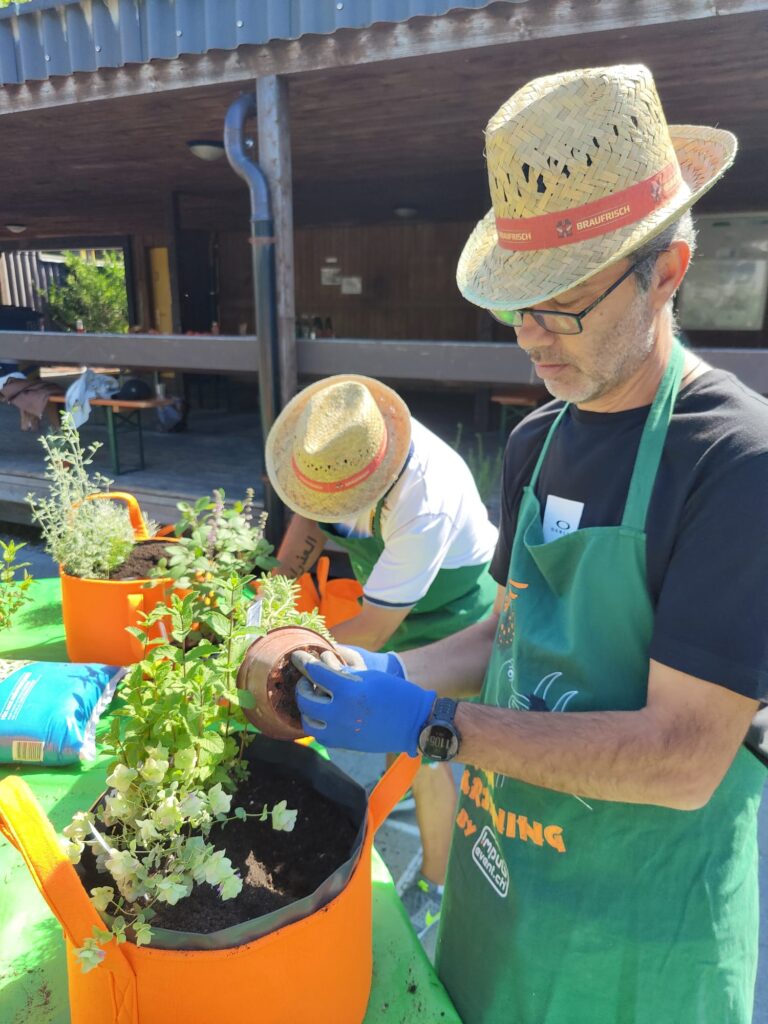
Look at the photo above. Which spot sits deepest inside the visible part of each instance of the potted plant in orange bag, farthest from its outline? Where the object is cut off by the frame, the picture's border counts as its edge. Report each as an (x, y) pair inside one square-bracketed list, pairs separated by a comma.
[(104, 549), (218, 858)]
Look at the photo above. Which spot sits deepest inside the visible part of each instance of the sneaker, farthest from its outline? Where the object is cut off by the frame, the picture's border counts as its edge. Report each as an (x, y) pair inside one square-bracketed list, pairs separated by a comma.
[(422, 901)]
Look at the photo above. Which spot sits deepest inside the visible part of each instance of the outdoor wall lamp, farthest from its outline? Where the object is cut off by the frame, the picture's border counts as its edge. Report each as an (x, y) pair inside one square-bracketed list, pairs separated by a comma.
[(206, 149)]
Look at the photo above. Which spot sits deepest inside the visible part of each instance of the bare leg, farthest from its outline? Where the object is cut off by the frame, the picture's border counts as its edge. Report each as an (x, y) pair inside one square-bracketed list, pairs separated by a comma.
[(434, 792)]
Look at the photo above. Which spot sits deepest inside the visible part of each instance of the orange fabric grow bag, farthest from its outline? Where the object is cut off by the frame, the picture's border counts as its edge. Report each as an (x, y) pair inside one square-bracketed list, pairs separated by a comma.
[(328, 954), (337, 600), (96, 613)]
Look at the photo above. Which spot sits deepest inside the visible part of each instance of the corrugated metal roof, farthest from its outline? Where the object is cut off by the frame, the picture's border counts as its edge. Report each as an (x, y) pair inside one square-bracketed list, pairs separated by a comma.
[(46, 38)]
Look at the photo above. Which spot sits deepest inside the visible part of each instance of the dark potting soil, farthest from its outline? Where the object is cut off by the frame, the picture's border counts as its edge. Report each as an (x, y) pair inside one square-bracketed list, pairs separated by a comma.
[(281, 686), (277, 868), (144, 557)]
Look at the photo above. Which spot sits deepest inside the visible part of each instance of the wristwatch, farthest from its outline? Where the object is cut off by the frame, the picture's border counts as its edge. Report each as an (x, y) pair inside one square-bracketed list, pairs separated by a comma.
[(439, 739)]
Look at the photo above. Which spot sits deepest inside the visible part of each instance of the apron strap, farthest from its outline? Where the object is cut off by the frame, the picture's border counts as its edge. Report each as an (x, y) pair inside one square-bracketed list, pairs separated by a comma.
[(376, 518), (548, 440), (652, 442)]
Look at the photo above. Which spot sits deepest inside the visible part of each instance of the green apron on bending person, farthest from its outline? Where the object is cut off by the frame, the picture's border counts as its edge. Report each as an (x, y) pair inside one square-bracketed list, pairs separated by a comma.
[(456, 599), (588, 911)]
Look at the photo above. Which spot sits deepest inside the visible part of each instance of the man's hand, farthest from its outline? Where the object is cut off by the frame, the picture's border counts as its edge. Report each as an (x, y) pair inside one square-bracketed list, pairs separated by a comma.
[(365, 710), (376, 661)]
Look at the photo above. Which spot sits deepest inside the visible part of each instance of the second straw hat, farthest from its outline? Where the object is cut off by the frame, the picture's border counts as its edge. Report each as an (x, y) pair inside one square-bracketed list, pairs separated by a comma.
[(583, 169), (338, 446)]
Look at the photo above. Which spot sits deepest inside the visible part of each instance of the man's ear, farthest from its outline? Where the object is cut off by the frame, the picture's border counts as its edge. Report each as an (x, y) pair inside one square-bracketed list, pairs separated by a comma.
[(668, 273)]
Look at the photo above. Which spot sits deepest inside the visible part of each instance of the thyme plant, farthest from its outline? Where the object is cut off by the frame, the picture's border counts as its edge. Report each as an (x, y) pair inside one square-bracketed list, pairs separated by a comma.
[(177, 743), (87, 538)]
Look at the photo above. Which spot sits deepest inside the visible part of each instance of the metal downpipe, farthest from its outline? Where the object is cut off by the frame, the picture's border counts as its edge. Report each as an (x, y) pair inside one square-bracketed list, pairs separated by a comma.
[(263, 261)]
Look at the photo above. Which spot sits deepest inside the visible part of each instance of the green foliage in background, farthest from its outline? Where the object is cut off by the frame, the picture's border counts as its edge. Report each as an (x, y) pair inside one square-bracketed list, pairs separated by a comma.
[(485, 466), (93, 292)]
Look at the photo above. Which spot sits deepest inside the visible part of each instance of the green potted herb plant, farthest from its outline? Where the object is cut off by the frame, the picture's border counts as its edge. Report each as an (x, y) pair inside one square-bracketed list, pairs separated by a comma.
[(104, 548)]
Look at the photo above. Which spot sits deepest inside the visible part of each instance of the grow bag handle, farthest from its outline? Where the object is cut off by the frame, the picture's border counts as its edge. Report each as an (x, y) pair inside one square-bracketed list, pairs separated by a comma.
[(391, 787), (322, 571), (140, 531), (26, 827)]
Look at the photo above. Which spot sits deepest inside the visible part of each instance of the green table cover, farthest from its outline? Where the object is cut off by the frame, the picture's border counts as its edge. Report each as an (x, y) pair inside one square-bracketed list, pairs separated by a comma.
[(33, 977)]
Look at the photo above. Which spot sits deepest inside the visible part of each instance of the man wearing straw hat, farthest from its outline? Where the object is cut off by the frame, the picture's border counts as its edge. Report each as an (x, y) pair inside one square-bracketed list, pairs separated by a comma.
[(348, 459), (604, 861)]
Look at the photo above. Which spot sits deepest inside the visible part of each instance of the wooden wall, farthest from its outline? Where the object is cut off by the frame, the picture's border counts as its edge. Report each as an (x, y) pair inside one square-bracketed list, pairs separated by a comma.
[(235, 282), (408, 276), (409, 291)]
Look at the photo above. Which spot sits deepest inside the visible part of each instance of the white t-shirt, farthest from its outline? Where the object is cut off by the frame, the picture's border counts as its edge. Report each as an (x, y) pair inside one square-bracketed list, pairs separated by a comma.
[(432, 519)]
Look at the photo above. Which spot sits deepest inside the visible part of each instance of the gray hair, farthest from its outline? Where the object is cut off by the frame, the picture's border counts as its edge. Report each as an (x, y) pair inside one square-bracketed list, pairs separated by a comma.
[(681, 230)]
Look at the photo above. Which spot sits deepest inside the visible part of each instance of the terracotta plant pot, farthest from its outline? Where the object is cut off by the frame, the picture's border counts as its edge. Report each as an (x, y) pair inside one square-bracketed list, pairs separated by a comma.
[(314, 970), (96, 613), (267, 672)]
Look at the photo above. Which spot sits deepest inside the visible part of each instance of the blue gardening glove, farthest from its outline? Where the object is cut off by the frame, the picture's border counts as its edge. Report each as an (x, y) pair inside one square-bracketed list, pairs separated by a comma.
[(379, 661), (365, 710)]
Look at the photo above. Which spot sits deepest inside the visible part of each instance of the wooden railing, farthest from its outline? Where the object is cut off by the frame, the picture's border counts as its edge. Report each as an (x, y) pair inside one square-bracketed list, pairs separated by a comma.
[(428, 362)]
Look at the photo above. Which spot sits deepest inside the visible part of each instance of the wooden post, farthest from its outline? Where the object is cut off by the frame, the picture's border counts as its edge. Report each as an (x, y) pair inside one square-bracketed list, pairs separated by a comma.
[(275, 160)]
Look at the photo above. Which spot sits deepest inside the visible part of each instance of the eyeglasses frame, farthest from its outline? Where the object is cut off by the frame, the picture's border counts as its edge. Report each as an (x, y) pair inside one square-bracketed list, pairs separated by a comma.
[(577, 317)]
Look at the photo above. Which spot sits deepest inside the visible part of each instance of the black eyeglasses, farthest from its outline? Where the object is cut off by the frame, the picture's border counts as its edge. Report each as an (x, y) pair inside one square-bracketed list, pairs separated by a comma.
[(550, 319)]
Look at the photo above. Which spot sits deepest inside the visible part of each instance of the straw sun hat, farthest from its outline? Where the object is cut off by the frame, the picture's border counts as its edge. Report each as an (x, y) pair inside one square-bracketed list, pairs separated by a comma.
[(338, 446), (583, 169)]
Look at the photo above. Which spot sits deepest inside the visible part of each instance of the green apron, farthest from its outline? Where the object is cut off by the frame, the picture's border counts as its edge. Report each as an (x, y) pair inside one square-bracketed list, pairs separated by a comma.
[(559, 910), (456, 599)]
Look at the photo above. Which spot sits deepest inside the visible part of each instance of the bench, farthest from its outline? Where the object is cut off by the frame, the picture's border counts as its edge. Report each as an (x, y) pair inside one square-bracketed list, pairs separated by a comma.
[(123, 416), (520, 400)]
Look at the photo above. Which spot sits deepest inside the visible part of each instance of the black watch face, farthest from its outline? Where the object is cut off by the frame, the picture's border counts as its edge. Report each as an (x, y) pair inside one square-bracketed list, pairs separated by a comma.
[(439, 742)]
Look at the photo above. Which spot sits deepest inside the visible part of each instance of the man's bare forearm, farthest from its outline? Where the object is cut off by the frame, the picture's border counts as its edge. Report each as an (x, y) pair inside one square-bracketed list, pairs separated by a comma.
[(608, 755), (673, 752), (372, 628), (300, 548), (455, 666)]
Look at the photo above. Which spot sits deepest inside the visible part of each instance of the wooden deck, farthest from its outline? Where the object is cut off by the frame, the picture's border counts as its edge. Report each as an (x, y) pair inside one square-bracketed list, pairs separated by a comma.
[(217, 450)]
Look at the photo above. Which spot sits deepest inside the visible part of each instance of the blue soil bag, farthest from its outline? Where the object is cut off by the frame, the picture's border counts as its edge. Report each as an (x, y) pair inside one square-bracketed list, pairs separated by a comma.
[(49, 710)]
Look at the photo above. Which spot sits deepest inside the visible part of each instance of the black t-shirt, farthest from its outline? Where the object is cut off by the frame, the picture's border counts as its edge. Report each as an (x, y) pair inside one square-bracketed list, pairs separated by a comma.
[(707, 526)]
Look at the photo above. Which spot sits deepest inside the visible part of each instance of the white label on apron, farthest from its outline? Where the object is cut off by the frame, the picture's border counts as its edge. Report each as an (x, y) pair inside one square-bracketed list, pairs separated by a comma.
[(488, 857), (561, 516)]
